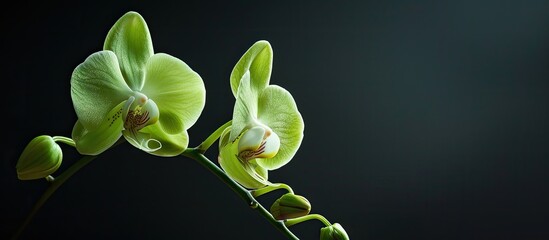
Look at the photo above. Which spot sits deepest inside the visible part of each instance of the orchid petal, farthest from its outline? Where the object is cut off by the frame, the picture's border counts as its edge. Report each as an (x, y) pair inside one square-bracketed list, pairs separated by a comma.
[(97, 86), (245, 108), (130, 40), (101, 138), (278, 110), (258, 61), (178, 91)]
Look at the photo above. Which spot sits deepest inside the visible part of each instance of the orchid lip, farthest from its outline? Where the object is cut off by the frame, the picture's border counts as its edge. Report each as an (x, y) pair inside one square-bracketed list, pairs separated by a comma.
[(139, 112), (258, 142)]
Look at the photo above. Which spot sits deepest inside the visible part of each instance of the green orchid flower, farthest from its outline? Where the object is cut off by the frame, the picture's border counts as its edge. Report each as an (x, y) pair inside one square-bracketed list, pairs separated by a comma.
[(267, 128), (151, 99)]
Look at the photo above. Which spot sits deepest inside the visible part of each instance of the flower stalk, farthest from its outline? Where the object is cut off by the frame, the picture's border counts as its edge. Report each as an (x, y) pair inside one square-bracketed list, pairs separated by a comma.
[(54, 185), (294, 221), (206, 144), (194, 153), (269, 188)]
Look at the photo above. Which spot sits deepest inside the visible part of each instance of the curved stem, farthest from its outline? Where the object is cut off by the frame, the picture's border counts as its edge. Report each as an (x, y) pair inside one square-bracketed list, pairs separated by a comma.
[(55, 184), (293, 221), (64, 140), (50, 178), (212, 138), (197, 155), (270, 188)]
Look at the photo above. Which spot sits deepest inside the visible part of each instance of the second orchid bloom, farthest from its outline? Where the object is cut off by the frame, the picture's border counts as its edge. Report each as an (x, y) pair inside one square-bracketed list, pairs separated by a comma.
[(267, 128)]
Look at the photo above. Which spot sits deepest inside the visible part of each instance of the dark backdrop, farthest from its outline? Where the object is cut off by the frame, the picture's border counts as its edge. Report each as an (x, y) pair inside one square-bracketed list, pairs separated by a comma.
[(424, 120)]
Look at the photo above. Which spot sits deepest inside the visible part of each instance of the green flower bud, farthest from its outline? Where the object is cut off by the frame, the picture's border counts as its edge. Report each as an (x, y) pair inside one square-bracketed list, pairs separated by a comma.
[(290, 206), (334, 232), (40, 158)]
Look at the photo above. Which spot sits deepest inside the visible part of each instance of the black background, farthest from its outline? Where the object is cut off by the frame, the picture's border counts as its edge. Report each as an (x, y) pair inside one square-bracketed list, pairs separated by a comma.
[(423, 119)]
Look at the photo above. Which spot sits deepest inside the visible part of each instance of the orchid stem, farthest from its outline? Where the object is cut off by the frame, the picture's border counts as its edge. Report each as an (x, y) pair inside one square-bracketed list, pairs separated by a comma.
[(55, 184), (196, 154), (270, 188), (212, 138), (293, 221), (64, 140)]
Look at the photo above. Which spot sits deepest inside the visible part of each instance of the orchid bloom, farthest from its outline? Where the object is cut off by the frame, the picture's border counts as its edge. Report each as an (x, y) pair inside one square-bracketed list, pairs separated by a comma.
[(267, 128), (128, 90)]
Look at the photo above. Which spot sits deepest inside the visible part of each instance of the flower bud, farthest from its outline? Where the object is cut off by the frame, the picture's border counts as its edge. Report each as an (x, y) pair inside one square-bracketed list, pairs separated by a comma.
[(334, 232), (40, 158), (290, 206)]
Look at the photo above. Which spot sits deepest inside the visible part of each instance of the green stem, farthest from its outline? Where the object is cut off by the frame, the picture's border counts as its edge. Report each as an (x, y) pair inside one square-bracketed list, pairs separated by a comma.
[(293, 221), (64, 140), (196, 154), (49, 178), (55, 184), (270, 188), (212, 138)]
